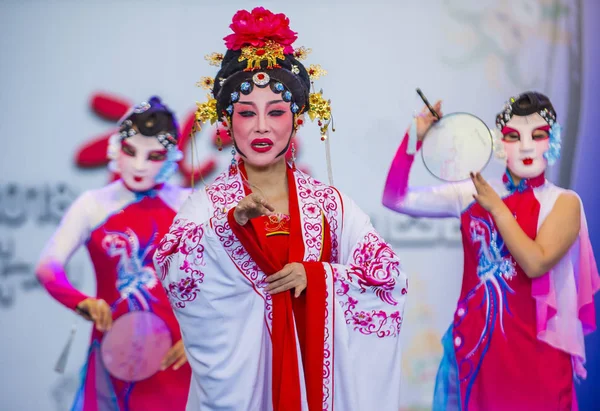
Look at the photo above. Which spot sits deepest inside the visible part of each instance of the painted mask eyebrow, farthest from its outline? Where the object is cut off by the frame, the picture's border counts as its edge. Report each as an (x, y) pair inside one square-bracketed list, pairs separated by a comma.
[(508, 130), (543, 128)]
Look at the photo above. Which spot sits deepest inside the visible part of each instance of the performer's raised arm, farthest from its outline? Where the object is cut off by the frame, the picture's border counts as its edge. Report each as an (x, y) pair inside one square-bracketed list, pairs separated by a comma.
[(445, 200)]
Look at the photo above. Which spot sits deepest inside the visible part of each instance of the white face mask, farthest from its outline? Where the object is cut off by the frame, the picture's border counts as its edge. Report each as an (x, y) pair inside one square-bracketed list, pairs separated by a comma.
[(525, 140), (140, 160)]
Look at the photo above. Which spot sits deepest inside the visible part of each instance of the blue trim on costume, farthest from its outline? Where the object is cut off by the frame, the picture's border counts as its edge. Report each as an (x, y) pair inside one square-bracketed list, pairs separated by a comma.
[(446, 395), (472, 378), (79, 401), (128, 391), (80, 395)]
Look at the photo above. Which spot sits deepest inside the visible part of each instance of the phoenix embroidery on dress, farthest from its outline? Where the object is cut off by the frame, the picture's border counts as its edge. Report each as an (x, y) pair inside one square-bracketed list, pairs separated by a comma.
[(133, 277), (495, 267)]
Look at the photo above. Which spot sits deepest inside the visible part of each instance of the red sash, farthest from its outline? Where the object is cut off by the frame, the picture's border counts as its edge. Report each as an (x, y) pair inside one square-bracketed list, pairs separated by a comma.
[(308, 310)]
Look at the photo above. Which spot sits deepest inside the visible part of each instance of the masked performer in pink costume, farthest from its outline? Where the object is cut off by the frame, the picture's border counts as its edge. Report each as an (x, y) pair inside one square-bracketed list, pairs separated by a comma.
[(517, 339), (121, 225), (287, 298)]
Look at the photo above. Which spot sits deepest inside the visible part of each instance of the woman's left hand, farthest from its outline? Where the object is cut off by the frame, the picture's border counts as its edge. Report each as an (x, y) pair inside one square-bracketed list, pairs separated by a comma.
[(486, 196), (293, 275), (175, 356)]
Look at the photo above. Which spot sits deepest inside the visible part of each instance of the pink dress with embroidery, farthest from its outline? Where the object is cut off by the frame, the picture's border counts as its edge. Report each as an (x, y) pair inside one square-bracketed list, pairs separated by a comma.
[(121, 230), (515, 343), (500, 361)]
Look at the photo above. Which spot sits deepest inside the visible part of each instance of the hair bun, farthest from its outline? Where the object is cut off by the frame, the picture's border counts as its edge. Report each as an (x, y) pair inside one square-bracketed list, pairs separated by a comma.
[(155, 100), (152, 118)]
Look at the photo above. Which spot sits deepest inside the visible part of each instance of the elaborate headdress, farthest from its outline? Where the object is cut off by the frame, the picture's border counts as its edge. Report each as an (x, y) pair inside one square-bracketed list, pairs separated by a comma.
[(260, 54), (530, 103), (151, 119)]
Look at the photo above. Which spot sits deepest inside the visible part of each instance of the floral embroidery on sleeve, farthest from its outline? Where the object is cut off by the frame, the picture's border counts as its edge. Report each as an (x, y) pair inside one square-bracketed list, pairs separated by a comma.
[(185, 239), (374, 268)]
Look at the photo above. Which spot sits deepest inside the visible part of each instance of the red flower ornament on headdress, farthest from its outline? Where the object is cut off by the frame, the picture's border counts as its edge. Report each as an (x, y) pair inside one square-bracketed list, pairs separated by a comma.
[(258, 27)]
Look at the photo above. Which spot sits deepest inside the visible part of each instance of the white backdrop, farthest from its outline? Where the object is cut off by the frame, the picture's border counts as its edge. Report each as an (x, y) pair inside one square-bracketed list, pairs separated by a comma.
[(54, 55)]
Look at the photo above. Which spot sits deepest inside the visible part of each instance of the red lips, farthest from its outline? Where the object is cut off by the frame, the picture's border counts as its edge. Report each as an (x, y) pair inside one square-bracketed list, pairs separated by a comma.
[(137, 179), (528, 161), (261, 145)]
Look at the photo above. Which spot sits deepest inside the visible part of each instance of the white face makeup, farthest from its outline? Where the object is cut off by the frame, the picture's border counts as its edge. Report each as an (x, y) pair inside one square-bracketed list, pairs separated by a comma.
[(140, 160), (525, 140)]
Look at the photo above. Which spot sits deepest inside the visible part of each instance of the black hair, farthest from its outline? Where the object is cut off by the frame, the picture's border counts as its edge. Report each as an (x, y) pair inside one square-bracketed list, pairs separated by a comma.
[(526, 104), (152, 118), (291, 74)]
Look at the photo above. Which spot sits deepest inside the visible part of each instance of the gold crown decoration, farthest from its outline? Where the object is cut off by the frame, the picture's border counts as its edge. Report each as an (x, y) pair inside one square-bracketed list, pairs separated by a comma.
[(205, 112), (270, 52), (315, 72), (207, 83), (214, 59), (320, 110), (301, 53)]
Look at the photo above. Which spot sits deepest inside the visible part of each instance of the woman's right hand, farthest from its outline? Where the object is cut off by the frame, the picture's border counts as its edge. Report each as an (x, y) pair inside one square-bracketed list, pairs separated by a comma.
[(98, 311), (251, 206), (425, 119)]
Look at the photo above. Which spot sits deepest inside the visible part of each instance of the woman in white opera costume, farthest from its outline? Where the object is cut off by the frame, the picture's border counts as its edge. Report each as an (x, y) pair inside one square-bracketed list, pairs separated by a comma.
[(286, 296)]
